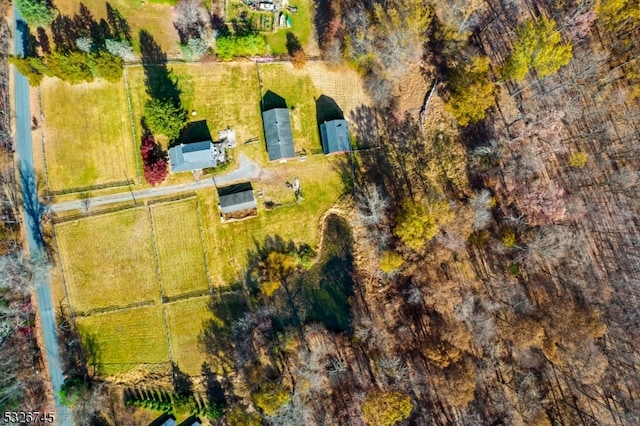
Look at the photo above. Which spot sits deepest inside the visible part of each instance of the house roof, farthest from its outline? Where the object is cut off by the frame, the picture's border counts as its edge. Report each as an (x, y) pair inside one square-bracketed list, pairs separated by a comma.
[(192, 156), (164, 420), (236, 197), (335, 136), (277, 131)]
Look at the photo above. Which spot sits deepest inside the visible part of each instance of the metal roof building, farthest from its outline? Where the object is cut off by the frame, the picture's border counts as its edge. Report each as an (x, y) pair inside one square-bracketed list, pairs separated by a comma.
[(192, 156), (277, 132), (335, 136), (236, 198)]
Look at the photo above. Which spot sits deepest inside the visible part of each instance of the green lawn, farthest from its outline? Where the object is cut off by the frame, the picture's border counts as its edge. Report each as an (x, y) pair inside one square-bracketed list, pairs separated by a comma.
[(108, 260), (127, 339), (88, 135), (299, 92), (222, 94), (185, 320), (301, 26), (182, 260)]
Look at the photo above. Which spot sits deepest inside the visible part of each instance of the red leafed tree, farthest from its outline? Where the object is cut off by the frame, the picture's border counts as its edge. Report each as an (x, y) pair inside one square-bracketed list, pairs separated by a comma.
[(154, 161)]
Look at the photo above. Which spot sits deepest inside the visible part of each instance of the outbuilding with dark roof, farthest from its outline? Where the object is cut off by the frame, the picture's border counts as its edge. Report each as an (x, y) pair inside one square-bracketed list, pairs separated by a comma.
[(335, 136), (237, 201), (277, 132)]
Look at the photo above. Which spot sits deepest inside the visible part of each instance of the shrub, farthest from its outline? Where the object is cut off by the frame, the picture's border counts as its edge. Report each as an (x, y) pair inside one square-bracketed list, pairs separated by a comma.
[(271, 397), (107, 65), (386, 408), (299, 59), (539, 47), (390, 262), (165, 118), (228, 47), (36, 12), (419, 222), (154, 161), (471, 91), (509, 238), (194, 49), (578, 159)]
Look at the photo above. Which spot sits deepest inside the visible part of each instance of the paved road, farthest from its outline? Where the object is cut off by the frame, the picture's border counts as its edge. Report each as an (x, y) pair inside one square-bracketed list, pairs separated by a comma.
[(32, 211), (246, 170)]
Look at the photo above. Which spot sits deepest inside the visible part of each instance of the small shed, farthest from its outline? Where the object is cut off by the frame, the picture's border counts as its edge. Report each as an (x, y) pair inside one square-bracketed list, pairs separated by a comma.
[(335, 136), (193, 156), (237, 201), (277, 132)]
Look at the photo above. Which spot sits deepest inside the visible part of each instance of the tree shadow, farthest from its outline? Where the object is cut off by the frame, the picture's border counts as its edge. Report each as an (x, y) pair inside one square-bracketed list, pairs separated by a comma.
[(182, 383), (323, 14), (292, 43), (216, 336), (43, 41), (158, 78), (67, 29), (364, 125), (213, 388), (119, 26), (29, 42), (329, 283), (327, 110), (271, 100), (196, 131), (34, 209)]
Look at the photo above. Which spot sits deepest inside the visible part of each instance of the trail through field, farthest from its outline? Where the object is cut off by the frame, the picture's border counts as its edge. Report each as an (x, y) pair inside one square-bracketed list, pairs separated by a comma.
[(247, 169)]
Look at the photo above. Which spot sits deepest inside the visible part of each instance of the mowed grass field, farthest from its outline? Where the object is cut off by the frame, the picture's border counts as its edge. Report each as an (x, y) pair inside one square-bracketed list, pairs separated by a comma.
[(222, 94), (185, 320), (88, 134), (180, 249), (129, 338), (108, 260)]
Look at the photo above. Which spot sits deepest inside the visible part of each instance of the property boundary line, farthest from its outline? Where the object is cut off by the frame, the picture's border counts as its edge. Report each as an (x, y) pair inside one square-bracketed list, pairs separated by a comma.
[(78, 216), (78, 189), (44, 154), (131, 122), (111, 309), (177, 197), (204, 247), (157, 257)]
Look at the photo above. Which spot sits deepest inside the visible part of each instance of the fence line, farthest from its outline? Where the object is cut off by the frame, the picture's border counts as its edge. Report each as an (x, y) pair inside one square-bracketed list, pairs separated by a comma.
[(157, 257), (185, 296), (178, 197), (204, 247), (78, 216), (131, 122), (117, 308), (89, 188)]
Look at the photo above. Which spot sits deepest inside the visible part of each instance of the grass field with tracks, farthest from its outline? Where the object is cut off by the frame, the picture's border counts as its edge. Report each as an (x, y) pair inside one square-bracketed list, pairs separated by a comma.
[(108, 260), (180, 250), (88, 135), (128, 338)]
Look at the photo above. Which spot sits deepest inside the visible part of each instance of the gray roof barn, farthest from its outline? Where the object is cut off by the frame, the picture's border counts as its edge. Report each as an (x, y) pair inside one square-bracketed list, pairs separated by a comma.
[(193, 156), (235, 198), (277, 131), (335, 136)]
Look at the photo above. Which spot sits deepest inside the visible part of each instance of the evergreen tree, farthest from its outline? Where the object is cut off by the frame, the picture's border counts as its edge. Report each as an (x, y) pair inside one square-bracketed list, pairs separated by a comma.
[(36, 12), (165, 118), (106, 65)]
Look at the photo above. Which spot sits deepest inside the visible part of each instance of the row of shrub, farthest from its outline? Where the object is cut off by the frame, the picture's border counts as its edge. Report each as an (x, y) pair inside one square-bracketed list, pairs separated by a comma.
[(160, 400)]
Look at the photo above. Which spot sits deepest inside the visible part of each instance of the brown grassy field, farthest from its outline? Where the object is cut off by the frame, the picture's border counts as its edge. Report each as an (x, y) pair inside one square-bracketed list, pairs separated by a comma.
[(108, 260), (155, 17), (180, 251), (88, 135), (129, 338), (185, 320)]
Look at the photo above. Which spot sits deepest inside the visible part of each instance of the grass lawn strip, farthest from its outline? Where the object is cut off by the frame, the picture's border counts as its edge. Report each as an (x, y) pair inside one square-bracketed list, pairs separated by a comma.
[(108, 260), (180, 251), (88, 138), (185, 320), (129, 338)]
